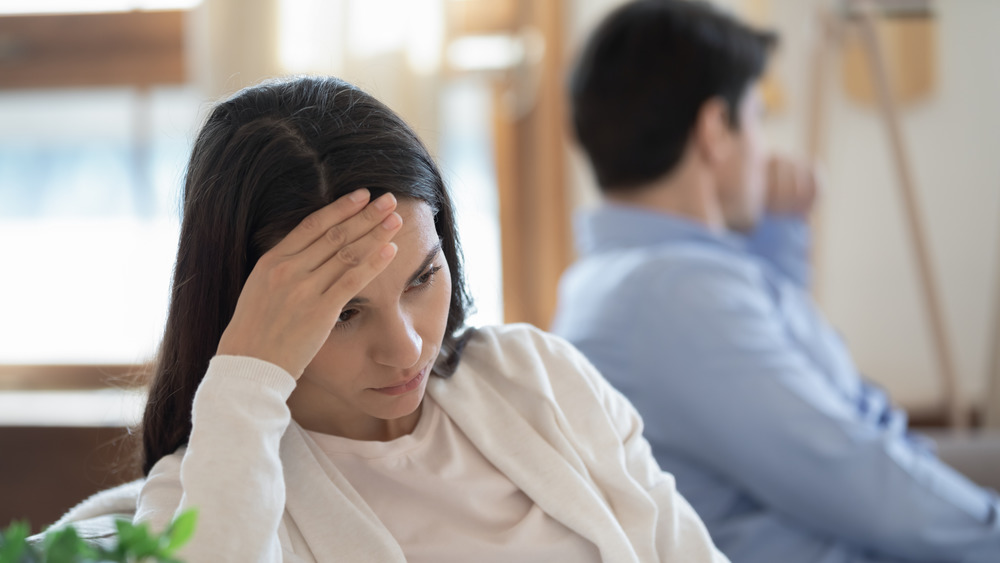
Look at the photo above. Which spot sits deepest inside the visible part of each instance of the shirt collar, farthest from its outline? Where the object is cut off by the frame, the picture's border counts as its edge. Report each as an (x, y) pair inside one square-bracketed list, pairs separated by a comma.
[(614, 226)]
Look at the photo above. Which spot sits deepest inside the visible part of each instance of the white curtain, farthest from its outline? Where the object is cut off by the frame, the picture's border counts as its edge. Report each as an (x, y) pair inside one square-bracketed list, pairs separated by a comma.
[(391, 48)]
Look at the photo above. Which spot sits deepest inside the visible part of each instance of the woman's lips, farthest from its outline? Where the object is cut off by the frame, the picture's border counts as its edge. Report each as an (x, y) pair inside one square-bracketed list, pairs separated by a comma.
[(404, 387)]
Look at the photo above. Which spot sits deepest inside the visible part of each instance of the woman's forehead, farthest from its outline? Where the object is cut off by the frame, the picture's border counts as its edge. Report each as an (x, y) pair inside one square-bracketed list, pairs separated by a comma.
[(418, 225), (417, 241)]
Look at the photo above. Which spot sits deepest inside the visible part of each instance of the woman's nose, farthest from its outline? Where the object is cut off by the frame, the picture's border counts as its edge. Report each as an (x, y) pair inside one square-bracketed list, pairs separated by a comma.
[(399, 344)]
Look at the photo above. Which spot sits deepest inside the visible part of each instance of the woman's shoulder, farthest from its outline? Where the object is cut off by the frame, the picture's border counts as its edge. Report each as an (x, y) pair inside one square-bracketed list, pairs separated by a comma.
[(524, 353), (517, 339), (525, 364), (161, 491), (166, 471)]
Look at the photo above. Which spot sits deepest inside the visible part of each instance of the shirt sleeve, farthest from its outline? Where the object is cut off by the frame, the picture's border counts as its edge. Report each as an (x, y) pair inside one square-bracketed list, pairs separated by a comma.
[(680, 533), (759, 411), (783, 241), (231, 470)]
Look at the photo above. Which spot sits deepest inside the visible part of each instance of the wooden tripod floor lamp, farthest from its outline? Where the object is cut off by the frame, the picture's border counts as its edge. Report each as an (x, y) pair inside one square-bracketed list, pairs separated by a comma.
[(858, 18)]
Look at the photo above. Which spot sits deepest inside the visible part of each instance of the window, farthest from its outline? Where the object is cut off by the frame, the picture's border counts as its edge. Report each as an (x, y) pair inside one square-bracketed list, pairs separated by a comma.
[(89, 184)]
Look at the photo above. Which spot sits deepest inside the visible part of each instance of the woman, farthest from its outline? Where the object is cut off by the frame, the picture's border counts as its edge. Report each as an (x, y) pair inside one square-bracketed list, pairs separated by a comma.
[(315, 397)]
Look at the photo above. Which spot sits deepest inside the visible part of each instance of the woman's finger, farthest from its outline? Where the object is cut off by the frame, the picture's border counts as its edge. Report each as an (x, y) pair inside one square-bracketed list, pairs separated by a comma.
[(356, 255), (350, 282), (347, 232), (317, 223)]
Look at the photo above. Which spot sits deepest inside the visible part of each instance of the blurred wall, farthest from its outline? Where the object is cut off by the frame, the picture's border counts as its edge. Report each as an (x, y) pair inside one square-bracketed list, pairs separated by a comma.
[(46, 470), (865, 272)]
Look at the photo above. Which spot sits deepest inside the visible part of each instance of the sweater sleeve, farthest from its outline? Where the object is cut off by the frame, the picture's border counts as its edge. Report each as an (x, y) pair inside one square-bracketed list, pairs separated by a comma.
[(231, 470), (680, 533)]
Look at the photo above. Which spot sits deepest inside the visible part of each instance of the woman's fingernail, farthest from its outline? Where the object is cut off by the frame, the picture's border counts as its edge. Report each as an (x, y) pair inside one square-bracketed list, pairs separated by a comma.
[(357, 196), (388, 250), (392, 221), (385, 202)]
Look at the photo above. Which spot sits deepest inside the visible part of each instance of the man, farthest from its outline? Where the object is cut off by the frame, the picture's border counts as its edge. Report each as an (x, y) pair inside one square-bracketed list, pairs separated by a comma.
[(690, 296)]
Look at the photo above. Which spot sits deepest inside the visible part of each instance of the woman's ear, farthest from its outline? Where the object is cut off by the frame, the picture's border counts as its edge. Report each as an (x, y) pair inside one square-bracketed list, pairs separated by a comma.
[(713, 132)]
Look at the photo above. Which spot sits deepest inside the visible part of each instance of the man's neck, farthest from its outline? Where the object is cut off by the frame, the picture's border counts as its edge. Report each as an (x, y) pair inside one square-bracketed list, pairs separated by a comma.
[(688, 191)]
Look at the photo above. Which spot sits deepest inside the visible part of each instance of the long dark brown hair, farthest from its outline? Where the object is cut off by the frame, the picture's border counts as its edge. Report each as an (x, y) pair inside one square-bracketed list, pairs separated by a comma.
[(264, 160)]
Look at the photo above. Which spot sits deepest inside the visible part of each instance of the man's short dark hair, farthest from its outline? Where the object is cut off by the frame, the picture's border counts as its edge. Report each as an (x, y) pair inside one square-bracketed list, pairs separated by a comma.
[(643, 76)]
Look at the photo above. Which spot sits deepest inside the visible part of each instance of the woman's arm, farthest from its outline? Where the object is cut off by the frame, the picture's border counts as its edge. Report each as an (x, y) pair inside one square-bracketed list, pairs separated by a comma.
[(231, 470)]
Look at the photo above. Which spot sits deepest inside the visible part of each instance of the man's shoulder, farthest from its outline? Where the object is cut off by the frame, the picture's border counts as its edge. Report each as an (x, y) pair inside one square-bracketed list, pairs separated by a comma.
[(668, 265), (607, 296)]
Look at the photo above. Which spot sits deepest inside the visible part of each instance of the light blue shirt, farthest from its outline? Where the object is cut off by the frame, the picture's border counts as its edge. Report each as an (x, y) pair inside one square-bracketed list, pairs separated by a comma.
[(752, 401)]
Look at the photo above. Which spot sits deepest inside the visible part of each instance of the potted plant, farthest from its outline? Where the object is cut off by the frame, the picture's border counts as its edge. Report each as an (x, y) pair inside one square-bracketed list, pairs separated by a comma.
[(134, 544)]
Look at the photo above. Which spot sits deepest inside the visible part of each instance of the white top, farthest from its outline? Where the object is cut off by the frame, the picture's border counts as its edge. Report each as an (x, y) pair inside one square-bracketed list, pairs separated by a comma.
[(528, 401), (444, 502)]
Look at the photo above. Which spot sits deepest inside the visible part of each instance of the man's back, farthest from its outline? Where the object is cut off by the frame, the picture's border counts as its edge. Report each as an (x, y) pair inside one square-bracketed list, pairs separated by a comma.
[(753, 403)]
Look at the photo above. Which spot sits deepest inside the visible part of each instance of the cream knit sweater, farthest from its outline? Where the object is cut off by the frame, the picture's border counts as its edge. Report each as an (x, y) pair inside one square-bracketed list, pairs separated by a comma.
[(529, 402)]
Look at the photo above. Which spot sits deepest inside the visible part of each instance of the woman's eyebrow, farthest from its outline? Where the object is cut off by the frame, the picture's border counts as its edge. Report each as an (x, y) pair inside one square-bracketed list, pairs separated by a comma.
[(356, 301), (427, 261)]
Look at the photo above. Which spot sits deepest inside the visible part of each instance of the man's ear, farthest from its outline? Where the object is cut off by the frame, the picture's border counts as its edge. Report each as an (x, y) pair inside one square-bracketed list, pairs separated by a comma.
[(713, 132)]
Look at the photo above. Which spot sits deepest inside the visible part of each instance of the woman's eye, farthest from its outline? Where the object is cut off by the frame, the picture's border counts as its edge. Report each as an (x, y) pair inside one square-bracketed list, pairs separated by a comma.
[(425, 278), (346, 315)]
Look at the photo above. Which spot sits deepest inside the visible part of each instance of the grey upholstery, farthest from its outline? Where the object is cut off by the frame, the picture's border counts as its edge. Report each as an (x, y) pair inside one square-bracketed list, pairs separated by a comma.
[(94, 518), (97, 531)]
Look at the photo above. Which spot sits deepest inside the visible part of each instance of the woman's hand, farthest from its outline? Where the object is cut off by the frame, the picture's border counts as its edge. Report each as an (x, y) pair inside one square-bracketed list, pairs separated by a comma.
[(296, 291)]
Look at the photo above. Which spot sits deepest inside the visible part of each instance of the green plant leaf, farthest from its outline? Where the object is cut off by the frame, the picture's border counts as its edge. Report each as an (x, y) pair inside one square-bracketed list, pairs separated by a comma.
[(126, 531), (179, 531), (65, 546), (135, 541), (116, 555), (12, 542)]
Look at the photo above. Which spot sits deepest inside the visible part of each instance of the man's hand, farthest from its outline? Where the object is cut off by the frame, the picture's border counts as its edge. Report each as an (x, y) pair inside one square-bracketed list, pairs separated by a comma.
[(792, 186)]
